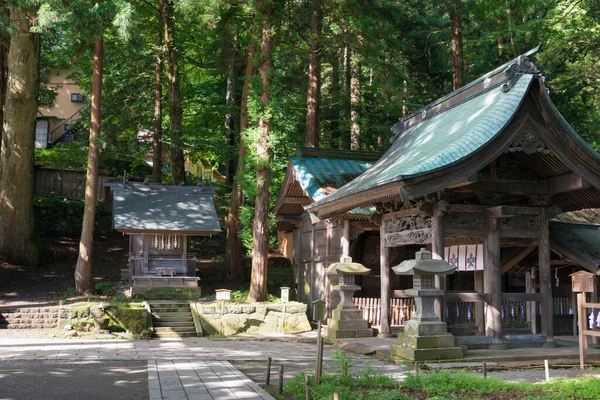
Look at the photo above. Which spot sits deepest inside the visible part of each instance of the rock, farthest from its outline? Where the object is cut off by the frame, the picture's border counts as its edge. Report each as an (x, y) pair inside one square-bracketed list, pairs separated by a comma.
[(68, 327), (70, 334)]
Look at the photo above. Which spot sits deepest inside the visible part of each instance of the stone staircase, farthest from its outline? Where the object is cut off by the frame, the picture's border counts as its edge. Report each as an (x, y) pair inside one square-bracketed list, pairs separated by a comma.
[(29, 318), (172, 319)]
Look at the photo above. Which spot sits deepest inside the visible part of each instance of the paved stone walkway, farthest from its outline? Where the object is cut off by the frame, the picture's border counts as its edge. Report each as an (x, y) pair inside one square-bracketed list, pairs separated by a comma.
[(188, 368)]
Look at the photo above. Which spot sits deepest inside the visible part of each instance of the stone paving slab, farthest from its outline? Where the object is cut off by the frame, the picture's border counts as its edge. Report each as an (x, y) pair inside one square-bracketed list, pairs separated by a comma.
[(201, 380)]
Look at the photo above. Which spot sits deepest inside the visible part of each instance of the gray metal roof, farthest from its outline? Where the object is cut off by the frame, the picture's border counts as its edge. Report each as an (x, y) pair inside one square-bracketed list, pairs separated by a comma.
[(153, 208)]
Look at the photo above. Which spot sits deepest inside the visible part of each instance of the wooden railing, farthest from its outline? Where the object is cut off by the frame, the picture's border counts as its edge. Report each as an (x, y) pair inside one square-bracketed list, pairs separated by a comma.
[(400, 309)]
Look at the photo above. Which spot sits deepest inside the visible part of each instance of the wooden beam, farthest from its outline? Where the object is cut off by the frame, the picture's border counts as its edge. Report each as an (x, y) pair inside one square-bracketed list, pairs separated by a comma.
[(471, 179), (303, 201), (510, 264), (522, 296), (511, 211), (465, 297), (560, 262), (401, 214), (576, 259), (563, 183), (397, 239), (294, 219)]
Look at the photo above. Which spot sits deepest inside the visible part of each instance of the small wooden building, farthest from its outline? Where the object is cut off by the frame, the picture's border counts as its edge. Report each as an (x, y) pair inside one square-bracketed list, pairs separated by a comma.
[(312, 174), (159, 221), (487, 166)]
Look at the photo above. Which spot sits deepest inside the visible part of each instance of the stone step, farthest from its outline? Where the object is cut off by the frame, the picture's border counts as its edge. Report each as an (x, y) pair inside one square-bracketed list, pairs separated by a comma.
[(163, 315), (166, 329), (160, 310), (176, 335), (27, 326), (177, 324), (30, 320)]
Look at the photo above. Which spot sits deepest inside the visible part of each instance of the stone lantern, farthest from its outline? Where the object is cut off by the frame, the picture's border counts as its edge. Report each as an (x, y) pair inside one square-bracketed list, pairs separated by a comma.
[(346, 320), (425, 336)]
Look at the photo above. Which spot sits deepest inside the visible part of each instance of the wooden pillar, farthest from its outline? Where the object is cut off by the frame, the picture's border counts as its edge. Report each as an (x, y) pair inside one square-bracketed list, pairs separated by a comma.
[(492, 282), (437, 253), (530, 310), (546, 278), (346, 239), (384, 328), (479, 309)]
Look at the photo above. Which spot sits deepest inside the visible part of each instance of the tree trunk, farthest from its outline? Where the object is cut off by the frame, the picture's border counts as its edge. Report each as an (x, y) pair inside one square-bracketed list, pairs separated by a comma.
[(335, 101), (18, 242), (234, 251), (501, 41), (230, 102), (354, 104), (3, 80), (457, 45), (175, 110), (83, 270), (157, 119), (347, 89), (260, 234), (313, 106)]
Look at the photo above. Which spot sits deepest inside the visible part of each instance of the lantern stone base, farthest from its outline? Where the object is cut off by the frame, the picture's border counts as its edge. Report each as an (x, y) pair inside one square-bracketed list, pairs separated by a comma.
[(346, 320), (425, 340)]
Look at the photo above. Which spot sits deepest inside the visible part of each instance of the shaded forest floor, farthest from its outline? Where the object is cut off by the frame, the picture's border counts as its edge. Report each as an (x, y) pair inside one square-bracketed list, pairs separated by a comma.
[(53, 280)]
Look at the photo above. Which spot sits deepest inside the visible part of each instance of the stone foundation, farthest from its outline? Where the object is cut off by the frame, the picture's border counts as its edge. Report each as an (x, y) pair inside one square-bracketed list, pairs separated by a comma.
[(258, 318)]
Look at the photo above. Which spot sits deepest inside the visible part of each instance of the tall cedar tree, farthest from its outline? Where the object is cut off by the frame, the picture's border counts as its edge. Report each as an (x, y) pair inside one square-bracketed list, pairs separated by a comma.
[(313, 106), (3, 80), (175, 110), (260, 231), (234, 257), (17, 233), (157, 118), (83, 269), (457, 45)]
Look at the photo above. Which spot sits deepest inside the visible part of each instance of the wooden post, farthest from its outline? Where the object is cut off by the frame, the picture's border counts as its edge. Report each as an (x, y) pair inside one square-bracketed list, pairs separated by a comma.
[(336, 396), (529, 311), (346, 239), (479, 309), (594, 299), (547, 369), (319, 364), (268, 376), (484, 367), (307, 386), (492, 282), (545, 278), (384, 326), (437, 253), (280, 388), (581, 321), (575, 308)]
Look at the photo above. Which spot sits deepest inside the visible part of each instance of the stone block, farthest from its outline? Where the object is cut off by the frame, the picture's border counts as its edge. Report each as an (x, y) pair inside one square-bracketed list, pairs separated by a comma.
[(425, 342), (401, 353), (416, 328), (347, 324), (234, 309), (248, 309), (347, 333), (346, 314)]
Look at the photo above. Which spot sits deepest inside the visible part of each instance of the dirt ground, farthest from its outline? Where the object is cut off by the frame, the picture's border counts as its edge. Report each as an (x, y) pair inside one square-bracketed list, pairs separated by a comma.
[(53, 279)]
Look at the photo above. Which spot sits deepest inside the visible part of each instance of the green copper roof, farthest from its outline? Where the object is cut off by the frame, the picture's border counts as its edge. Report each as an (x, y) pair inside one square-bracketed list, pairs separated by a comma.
[(138, 208), (580, 239), (443, 139), (322, 175)]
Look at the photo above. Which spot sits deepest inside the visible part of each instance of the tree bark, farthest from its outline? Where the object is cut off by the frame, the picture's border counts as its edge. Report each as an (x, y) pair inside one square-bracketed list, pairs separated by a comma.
[(175, 110), (18, 242), (313, 106), (347, 89), (157, 119), (3, 80), (83, 270), (354, 104), (260, 234), (234, 251), (335, 101), (230, 96), (457, 45)]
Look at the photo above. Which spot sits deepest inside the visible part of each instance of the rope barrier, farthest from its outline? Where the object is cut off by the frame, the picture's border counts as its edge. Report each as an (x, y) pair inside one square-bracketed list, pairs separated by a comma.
[(312, 390)]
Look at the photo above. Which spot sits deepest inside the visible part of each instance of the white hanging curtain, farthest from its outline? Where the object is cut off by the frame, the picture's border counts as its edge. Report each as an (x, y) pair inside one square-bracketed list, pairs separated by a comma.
[(467, 257)]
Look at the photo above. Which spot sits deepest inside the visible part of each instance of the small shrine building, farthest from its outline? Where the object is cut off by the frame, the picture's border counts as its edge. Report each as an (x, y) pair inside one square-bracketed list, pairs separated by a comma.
[(159, 221)]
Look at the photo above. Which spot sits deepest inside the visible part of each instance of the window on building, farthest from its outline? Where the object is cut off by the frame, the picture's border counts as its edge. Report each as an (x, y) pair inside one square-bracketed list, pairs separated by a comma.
[(77, 97), (41, 134)]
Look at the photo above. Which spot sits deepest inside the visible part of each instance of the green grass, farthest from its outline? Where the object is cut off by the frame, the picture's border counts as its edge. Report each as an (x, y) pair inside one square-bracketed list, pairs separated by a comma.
[(441, 385)]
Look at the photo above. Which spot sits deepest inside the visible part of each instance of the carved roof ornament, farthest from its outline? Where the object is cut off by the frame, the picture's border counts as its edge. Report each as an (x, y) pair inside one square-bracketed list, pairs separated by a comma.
[(529, 143), (513, 72)]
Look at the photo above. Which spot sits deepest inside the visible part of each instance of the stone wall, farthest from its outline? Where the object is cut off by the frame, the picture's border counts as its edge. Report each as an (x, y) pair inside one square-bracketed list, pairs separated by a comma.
[(259, 318), (132, 318)]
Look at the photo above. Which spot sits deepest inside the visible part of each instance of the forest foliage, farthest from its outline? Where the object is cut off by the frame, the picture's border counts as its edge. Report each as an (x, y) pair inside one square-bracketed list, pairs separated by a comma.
[(379, 60)]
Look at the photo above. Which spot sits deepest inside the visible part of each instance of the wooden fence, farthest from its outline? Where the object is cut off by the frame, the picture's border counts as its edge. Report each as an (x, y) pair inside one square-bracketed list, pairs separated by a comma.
[(66, 183), (401, 309)]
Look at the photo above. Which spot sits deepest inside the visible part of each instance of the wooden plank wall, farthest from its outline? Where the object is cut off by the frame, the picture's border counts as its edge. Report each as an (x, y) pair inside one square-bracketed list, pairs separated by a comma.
[(66, 183)]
